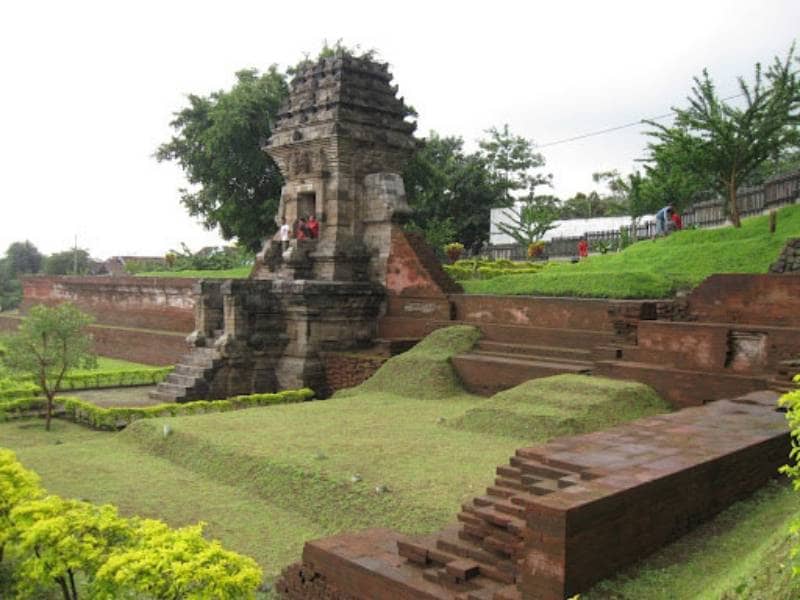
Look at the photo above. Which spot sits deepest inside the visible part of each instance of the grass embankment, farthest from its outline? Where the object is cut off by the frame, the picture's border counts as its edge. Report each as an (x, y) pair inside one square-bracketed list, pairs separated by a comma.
[(266, 480), (657, 269), (742, 554), (237, 273)]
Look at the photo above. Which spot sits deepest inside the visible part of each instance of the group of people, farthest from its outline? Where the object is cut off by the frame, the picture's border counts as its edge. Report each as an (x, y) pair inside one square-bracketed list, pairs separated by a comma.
[(304, 228), (668, 220)]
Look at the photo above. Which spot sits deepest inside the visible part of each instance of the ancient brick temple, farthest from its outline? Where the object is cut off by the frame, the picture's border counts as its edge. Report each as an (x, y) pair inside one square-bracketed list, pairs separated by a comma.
[(340, 141)]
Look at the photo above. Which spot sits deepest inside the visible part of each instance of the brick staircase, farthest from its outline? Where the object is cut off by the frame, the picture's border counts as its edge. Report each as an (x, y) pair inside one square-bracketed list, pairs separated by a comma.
[(189, 379), (499, 361)]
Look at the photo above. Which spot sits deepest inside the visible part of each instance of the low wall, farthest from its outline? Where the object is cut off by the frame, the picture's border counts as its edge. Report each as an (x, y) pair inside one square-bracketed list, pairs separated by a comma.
[(142, 319), (158, 303), (345, 369), (147, 346), (752, 299)]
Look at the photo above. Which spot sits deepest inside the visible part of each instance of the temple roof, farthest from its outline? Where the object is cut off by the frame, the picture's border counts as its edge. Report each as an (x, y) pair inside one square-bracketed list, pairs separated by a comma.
[(343, 95)]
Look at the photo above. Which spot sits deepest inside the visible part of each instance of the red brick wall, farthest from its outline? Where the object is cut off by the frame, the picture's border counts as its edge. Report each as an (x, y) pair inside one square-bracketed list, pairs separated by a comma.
[(344, 370), (139, 345), (165, 304), (413, 269), (753, 299)]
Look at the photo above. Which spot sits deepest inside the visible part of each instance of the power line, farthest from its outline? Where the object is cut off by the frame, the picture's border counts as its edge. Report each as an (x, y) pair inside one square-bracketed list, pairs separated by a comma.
[(616, 128)]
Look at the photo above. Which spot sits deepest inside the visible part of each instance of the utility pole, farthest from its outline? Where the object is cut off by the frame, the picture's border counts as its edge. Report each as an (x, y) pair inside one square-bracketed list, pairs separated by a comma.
[(75, 256)]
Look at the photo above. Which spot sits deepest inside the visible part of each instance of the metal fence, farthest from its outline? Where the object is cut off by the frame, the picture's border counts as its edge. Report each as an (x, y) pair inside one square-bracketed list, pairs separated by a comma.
[(778, 191)]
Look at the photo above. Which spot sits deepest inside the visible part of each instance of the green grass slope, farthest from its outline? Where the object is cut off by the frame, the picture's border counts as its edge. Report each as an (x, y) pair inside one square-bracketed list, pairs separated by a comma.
[(424, 371), (267, 479), (561, 405), (742, 554), (657, 269)]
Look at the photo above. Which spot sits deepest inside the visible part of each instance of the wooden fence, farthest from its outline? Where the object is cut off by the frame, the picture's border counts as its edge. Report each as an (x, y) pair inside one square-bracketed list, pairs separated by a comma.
[(778, 191)]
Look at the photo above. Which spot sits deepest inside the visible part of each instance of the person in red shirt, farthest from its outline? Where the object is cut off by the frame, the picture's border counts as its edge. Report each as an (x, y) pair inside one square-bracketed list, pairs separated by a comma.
[(301, 230), (677, 222), (313, 226), (583, 248)]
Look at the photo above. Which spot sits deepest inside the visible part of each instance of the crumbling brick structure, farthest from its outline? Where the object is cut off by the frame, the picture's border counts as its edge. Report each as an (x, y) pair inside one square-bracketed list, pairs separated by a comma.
[(340, 141), (563, 515)]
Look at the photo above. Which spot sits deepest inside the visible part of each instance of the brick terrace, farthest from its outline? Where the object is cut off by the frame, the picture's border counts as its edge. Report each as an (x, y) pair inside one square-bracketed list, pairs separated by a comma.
[(563, 515)]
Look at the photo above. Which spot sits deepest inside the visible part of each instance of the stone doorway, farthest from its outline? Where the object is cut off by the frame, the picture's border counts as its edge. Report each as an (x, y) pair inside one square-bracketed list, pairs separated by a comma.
[(306, 204)]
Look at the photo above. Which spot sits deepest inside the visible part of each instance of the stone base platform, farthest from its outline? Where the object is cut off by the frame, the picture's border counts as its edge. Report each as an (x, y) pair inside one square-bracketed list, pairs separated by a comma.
[(563, 515)]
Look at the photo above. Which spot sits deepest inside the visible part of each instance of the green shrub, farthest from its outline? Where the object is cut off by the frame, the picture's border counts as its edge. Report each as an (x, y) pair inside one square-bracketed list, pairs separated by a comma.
[(98, 417), (79, 546), (791, 401)]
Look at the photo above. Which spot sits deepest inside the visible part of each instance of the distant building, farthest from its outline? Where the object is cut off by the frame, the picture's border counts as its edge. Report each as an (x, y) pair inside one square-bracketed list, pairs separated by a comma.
[(568, 228)]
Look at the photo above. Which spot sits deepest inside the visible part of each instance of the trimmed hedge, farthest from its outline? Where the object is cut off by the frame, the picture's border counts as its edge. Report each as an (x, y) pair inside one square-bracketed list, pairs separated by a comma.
[(24, 387), (114, 418), (466, 270)]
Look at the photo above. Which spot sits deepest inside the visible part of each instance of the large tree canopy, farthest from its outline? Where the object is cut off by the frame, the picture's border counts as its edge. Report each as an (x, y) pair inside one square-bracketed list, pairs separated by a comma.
[(451, 192), (218, 140), (727, 143)]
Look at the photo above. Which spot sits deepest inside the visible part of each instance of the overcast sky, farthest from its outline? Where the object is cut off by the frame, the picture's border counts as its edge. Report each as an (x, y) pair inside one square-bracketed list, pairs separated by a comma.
[(89, 88)]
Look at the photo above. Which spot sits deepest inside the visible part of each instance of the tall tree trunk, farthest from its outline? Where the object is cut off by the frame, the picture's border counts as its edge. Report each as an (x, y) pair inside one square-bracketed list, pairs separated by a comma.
[(48, 411), (72, 585), (64, 589), (734, 208)]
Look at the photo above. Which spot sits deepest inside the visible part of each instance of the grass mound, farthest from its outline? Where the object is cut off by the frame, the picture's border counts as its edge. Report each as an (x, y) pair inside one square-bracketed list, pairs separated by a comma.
[(560, 405), (424, 371), (656, 269)]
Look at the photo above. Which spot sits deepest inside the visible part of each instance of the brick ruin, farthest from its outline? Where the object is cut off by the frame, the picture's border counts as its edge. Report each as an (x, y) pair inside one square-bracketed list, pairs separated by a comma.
[(563, 515), (326, 313), (340, 141)]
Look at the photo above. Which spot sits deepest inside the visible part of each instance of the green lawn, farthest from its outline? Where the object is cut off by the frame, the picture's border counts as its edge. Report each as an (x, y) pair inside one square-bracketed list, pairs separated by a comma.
[(267, 479), (403, 450), (657, 269)]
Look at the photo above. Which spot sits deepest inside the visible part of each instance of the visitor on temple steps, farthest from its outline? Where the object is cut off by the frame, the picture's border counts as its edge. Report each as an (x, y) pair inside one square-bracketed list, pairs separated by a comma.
[(313, 226), (284, 234)]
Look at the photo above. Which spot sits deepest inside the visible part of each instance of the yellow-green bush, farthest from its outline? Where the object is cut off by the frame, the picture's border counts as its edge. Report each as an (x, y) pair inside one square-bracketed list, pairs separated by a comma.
[(791, 401), (77, 546)]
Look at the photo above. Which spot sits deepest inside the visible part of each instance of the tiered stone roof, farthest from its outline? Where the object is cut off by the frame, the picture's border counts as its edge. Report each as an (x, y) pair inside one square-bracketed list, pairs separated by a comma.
[(344, 96)]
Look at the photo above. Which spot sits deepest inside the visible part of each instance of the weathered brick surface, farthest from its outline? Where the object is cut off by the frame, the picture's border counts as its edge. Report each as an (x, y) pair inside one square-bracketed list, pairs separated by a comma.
[(158, 303), (344, 370), (752, 299), (147, 346), (563, 515)]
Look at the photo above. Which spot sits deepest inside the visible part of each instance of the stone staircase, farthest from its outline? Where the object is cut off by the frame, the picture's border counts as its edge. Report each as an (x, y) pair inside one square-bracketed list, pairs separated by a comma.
[(189, 380)]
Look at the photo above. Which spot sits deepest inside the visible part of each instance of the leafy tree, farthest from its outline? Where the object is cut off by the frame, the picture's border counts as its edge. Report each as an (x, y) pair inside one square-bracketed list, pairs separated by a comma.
[(530, 219), (177, 564), (218, 144), (68, 262), (10, 288), (60, 540), (512, 160), (17, 485), (49, 343), (23, 258), (726, 143), (451, 192)]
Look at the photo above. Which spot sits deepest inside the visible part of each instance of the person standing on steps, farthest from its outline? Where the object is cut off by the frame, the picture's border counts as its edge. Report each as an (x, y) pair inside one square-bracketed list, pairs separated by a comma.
[(313, 226), (284, 234)]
